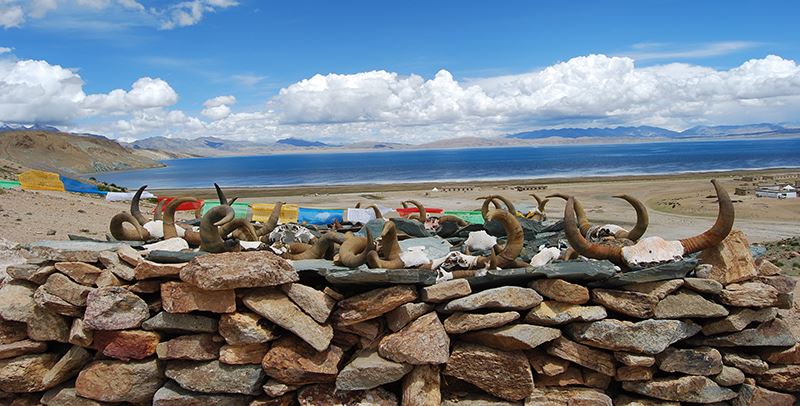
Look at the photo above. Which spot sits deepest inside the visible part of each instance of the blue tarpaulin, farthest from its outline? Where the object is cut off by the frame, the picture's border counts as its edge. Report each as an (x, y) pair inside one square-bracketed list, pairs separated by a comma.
[(72, 185), (319, 216)]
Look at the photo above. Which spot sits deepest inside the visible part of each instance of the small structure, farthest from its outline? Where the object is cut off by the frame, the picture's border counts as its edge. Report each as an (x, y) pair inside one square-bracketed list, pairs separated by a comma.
[(777, 192), (530, 187)]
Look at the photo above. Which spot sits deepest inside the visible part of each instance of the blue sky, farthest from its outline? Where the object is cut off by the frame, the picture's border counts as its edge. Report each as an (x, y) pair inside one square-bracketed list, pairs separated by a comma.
[(421, 70)]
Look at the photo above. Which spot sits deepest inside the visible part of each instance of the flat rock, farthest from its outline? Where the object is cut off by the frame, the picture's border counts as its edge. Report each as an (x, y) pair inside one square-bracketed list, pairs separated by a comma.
[(731, 260), (81, 272), (315, 395), (783, 378), (747, 363), (372, 304), (659, 289), (129, 255), (369, 370), (16, 301), (274, 388), (644, 337), (114, 308), (245, 328), (25, 374), (634, 373), (120, 381), (279, 309), (546, 364), (738, 320), (181, 297), (554, 396), (571, 376), (421, 386), (197, 347), (22, 347), (634, 360), (785, 285), (404, 314), (502, 298), (561, 290), (459, 323), (72, 251), (365, 276), (632, 304), (45, 325), (583, 355), (774, 333), (66, 396), (173, 257), (67, 367), (423, 341), (785, 356), (752, 395), (173, 395), (149, 269), (243, 354), (80, 334), (691, 361), (766, 268), (444, 291), (181, 323), (552, 313), (514, 337), (730, 376), (112, 262), (292, 361), (749, 294), (694, 389), (315, 303), (505, 374), (625, 400), (231, 270), (662, 272), (56, 304), (703, 285), (686, 303), (30, 272), (216, 377), (126, 345)]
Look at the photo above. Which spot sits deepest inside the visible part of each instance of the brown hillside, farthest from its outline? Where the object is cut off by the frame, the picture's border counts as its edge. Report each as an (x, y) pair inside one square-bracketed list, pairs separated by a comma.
[(69, 153)]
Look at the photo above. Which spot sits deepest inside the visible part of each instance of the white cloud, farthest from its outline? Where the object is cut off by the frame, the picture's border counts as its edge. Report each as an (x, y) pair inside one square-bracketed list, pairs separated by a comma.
[(218, 107), (5, 50), (39, 8), (191, 12), (11, 16), (662, 51)]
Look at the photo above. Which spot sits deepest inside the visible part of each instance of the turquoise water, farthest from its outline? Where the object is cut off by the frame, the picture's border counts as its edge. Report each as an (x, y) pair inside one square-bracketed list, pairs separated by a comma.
[(465, 164)]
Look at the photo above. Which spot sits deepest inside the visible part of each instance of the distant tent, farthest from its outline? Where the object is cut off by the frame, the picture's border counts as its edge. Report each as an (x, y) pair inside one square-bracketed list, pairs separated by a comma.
[(262, 211), (8, 184), (75, 186), (40, 180)]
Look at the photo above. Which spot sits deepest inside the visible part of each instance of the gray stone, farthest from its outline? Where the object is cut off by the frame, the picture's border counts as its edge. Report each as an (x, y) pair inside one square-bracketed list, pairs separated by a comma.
[(747, 363), (647, 336), (703, 285), (279, 309), (251, 269), (45, 325), (16, 301), (772, 333), (114, 308), (79, 251), (173, 395), (368, 370), (686, 303), (56, 304), (738, 320), (783, 378), (377, 276), (411, 227), (503, 298), (172, 257), (692, 361), (432, 247), (632, 304), (552, 313), (216, 377), (751, 395), (180, 323), (667, 271), (30, 272), (694, 389), (514, 337), (729, 376), (459, 323)]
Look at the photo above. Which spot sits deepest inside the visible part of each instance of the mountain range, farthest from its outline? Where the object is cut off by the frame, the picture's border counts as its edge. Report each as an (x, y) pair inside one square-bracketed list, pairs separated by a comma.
[(645, 132)]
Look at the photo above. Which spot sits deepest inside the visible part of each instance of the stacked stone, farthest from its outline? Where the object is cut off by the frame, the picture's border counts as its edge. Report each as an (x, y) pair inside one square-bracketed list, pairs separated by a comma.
[(96, 327)]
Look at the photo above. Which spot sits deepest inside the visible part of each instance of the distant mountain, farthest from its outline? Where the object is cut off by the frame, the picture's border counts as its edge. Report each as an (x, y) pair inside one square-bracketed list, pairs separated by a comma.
[(641, 131), (750, 129), (6, 127), (299, 142)]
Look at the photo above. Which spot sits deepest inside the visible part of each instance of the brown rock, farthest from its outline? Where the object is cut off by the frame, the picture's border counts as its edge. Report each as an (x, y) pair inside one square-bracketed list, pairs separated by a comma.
[(373, 303), (692, 361), (514, 337), (502, 298), (80, 334), (44, 325), (785, 285), (243, 354), (25, 374), (198, 347), (635, 360), (120, 381), (404, 314), (332, 293), (738, 320), (646, 336), (774, 333), (554, 396), (81, 272), (546, 364), (550, 313), (766, 268), (274, 388), (686, 303), (632, 304), (129, 255), (561, 291), (582, 355), (444, 291), (785, 356), (749, 294), (421, 386), (292, 361), (114, 308), (126, 345), (111, 262), (505, 374), (12, 331), (459, 323), (181, 297), (749, 364), (67, 366), (625, 400), (173, 395), (107, 278), (149, 269), (463, 398), (66, 396), (215, 377), (252, 269), (279, 309), (751, 395), (571, 376), (703, 285), (695, 389), (659, 289), (594, 379), (317, 395), (731, 259), (16, 301), (22, 347), (368, 370), (63, 287), (730, 376), (315, 303), (30, 272), (784, 379), (634, 373), (285, 400), (56, 304), (424, 341), (244, 328)]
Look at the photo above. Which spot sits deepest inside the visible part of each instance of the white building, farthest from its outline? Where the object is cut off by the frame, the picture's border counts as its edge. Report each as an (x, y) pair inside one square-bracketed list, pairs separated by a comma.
[(777, 192)]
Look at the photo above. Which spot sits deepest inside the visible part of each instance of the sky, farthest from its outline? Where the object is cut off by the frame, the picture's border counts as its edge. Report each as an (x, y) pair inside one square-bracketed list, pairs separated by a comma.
[(412, 71)]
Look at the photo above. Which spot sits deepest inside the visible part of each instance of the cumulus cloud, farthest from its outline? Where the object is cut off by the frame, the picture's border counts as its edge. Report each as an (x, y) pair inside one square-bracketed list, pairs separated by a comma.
[(11, 16), (218, 107), (191, 12), (145, 93)]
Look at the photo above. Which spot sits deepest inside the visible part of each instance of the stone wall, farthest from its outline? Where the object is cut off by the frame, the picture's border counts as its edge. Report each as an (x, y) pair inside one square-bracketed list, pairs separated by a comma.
[(94, 324)]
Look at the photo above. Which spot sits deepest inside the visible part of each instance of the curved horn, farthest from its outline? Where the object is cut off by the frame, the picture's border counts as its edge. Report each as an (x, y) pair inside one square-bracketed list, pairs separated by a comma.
[(721, 228), (119, 231), (378, 214), (169, 216), (221, 195), (404, 204), (540, 203), (272, 221), (192, 237), (135, 211), (642, 219), (579, 243), (232, 201), (210, 240), (516, 239), (487, 200), (357, 206), (558, 195), (242, 227), (422, 215), (389, 257), (159, 212), (354, 251), (198, 212), (318, 250), (509, 206), (455, 219)]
